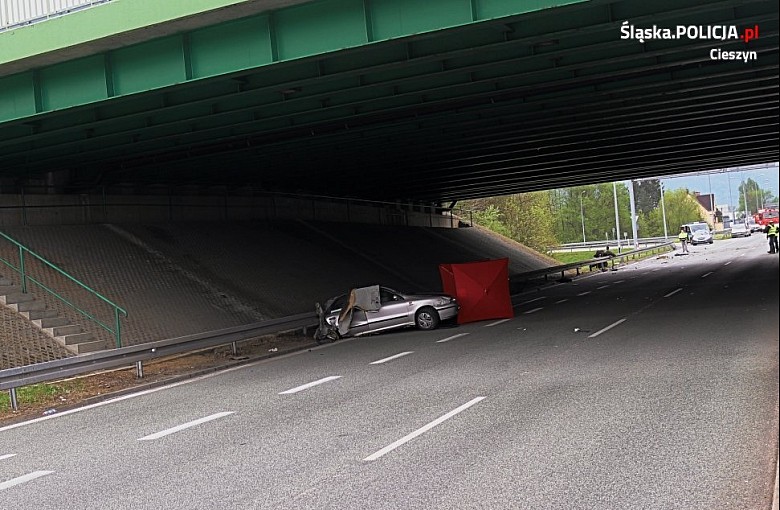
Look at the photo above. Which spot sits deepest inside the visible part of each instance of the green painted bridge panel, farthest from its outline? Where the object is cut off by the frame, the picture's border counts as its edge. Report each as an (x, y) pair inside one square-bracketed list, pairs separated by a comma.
[(72, 83), (294, 32), (148, 65), (399, 18), (487, 9), (17, 96), (230, 47), (105, 20), (319, 27)]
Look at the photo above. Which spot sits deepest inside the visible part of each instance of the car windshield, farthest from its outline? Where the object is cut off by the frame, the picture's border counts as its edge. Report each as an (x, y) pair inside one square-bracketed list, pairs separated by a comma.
[(699, 226)]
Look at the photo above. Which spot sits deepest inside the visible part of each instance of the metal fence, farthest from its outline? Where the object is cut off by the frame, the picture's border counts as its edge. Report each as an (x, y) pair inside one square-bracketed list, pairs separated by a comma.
[(16, 13)]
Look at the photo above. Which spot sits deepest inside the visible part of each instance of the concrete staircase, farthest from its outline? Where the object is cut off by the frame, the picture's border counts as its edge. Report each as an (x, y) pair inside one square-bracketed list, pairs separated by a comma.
[(70, 336)]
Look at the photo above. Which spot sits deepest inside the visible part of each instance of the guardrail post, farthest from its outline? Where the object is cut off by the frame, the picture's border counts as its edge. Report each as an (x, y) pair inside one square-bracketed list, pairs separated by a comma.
[(139, 369), (233, 349), (14, 403)]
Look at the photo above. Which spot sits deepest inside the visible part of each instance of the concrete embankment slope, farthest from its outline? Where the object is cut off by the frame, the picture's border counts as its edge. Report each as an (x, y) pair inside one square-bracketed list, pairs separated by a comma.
[(177, 279)]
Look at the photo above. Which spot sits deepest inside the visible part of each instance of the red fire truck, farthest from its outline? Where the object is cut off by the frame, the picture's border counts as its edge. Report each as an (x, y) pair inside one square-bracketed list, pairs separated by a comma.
[(766, 216)]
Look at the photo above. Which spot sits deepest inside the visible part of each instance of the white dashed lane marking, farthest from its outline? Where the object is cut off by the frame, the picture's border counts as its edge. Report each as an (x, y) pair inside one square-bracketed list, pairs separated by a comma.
[(705, 275), (530, 301), (7, 456), (184, 426), (561, 301), (390, 358), (309, 385), (389, 448), (672, 293), (584, 293), (496, 323), (602, 287), (23, 479), (597, 333), (453, 337), (534, 310)]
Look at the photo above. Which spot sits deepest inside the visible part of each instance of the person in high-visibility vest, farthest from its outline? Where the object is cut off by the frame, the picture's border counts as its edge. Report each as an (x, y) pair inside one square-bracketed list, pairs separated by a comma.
[(771, 234), (683, 237)]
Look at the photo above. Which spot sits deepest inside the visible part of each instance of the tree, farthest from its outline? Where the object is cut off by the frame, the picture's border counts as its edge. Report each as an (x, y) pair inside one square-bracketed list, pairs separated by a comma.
[(647, 194), (680, 207), (756, 197), (526, 217)]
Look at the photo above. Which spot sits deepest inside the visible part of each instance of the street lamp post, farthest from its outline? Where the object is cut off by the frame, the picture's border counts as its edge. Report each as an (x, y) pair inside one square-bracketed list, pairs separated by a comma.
[(582, 216), (617, 218), (663, 211), (632, 203)]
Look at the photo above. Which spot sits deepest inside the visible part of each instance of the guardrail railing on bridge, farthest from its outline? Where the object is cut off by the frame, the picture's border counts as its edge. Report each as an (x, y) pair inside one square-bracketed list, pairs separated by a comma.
[(17, 13), (576, 266), (26, 255), (13, 378)]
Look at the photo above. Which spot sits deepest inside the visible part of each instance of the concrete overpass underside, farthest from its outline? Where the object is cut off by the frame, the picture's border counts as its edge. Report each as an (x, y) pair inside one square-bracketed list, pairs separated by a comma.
[(431, 101)]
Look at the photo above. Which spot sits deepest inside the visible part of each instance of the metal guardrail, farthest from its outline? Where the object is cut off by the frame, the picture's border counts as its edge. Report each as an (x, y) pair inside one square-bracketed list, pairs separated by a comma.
[(19, 13), (612, 243), (545, 272), (12, 378)]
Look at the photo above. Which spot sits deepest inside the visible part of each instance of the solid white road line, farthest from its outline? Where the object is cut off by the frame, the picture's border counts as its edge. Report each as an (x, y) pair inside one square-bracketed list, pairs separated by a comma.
[(496, 323), (7, 456), (561, 301), (22, 479), (453, 337), (309, 385), (672, 293), (422, 430), (597, 333), (183, 426), (534, 310), (584, 293), (390, 358), (705, 275)]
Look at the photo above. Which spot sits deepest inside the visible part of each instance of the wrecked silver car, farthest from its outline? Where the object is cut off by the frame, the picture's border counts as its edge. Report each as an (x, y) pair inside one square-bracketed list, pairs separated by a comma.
[(375, 308)]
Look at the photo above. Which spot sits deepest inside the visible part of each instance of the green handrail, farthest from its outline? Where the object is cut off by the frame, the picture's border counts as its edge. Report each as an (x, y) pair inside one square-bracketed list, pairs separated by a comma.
[(21, 270)]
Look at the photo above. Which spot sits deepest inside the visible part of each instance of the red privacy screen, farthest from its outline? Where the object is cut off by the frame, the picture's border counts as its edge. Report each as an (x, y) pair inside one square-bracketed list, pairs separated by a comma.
[(482, 289)]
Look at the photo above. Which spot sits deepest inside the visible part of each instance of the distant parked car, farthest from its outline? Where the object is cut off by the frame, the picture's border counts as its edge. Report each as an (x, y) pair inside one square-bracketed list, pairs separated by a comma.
[(754, 227), (396, 310), (740, 229), (699, 233)]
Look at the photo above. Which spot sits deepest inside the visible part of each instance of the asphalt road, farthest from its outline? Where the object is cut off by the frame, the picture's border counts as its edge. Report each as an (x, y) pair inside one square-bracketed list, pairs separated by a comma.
[(652, 387)]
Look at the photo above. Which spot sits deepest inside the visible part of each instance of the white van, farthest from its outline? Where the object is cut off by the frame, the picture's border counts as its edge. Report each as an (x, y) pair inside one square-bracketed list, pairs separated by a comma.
[(700, 233)]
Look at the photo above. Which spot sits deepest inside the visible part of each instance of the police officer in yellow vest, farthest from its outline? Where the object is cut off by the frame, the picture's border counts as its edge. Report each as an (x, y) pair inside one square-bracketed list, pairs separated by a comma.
[(683, 237), (771, 234)]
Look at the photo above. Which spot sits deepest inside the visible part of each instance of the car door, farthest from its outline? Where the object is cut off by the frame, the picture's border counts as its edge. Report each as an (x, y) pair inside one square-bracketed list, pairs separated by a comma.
[(393, 312)]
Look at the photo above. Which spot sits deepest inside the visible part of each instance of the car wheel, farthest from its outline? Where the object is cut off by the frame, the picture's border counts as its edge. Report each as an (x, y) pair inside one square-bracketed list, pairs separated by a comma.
[(710, 242), (426, 318)]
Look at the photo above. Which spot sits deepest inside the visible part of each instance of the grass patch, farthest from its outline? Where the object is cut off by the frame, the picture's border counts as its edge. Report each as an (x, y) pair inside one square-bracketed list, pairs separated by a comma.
[(41, 394), (578, 256), (572, 256)]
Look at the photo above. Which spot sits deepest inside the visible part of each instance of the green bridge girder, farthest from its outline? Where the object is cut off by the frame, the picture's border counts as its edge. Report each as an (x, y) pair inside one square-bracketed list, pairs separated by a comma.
[(388, 99), (304, 30)]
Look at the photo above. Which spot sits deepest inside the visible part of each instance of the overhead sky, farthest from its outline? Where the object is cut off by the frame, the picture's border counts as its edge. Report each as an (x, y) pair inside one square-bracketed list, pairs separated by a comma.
[(719, 183)]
